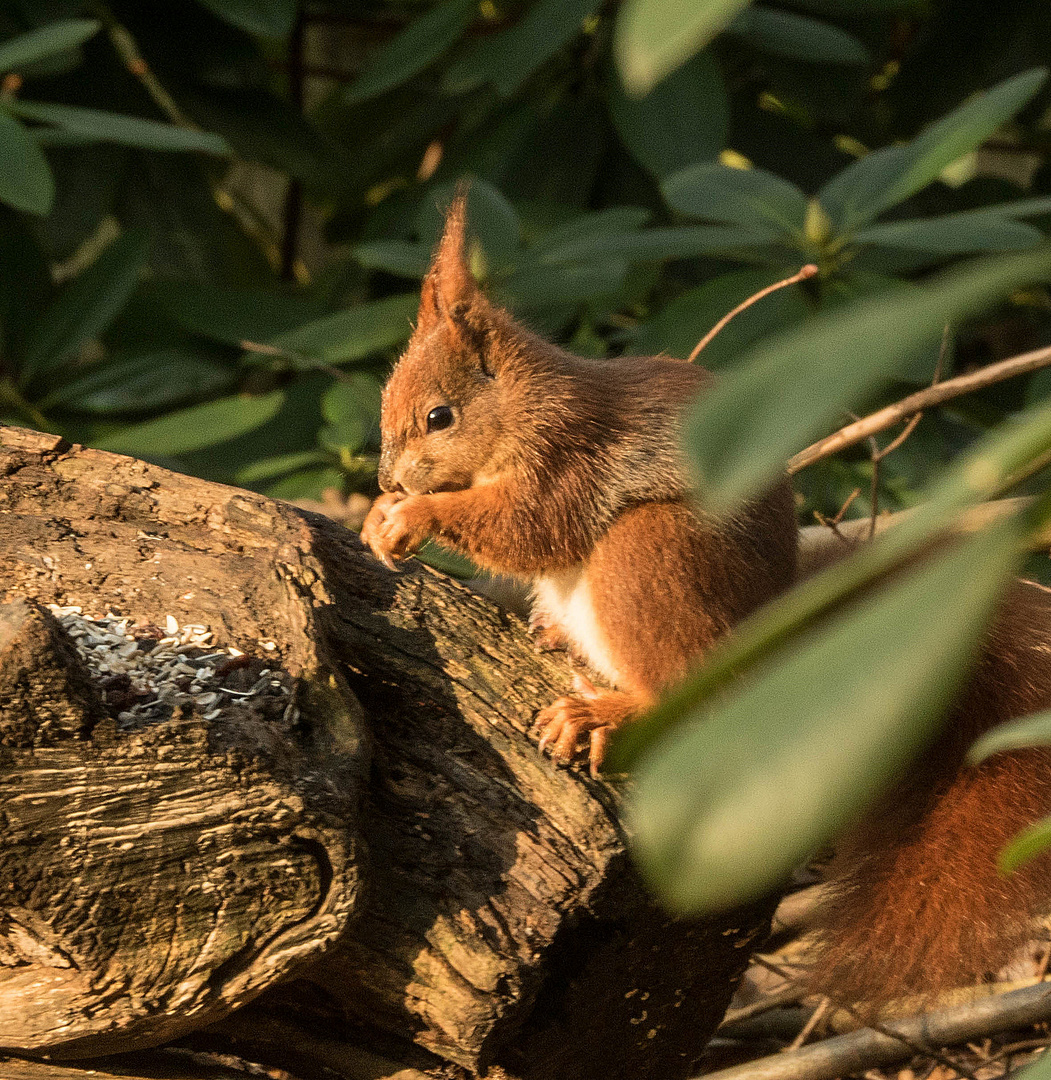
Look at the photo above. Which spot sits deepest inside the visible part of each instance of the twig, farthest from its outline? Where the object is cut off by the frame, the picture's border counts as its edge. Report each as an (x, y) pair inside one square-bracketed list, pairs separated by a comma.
[(128, 50), (866, 1049), (789, 996), (914, 403), (802, 274), (822, 1010), (917, 1044)]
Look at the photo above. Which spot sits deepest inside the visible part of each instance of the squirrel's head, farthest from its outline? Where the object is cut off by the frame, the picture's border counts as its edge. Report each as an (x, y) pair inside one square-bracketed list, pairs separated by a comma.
[(443, 421)]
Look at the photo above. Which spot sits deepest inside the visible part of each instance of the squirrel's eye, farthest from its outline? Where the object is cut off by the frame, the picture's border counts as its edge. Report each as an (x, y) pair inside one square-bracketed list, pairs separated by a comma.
[(439, 418)]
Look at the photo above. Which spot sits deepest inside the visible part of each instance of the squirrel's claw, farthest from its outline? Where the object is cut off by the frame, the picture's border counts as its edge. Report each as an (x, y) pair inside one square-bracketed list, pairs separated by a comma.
[(595, 713)]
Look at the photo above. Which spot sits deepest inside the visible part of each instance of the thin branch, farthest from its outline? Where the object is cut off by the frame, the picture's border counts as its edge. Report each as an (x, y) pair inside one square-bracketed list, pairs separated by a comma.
[(916, 1044), (128, 50), (866, 1049), (922, 399), (802, 274)]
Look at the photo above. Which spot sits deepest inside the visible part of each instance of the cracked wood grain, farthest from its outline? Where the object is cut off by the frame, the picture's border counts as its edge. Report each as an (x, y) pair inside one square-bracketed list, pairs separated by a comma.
[(497, 922)]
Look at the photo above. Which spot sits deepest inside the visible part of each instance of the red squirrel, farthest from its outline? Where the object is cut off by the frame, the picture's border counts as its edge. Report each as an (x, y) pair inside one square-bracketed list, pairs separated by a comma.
[(566, 473)]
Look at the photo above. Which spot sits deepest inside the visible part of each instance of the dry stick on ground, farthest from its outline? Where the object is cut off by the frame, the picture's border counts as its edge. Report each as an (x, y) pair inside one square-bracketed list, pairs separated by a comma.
[(915, 1044), (914, 403), (868, 1048)]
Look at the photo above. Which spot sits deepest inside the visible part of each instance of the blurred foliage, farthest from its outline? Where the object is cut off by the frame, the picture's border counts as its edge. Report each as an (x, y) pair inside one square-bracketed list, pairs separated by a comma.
[(215, 214), (152, 300)]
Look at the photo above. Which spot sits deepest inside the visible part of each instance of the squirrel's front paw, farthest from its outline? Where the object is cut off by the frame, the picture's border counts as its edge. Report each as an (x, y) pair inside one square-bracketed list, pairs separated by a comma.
[(397, 525), (596, 713)]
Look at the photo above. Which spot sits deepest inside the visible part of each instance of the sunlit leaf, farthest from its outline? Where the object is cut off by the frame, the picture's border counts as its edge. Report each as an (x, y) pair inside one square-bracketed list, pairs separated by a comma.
[(1027, 845), (26, 182), (653, 37), (412, 50), (55, 37), (886, 177), (112, 127), (195, 428), (280, 465), (86, 306), (725, 807)]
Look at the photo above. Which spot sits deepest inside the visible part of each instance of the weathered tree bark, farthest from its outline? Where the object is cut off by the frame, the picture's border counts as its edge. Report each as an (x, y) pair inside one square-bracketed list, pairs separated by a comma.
[(385, 853)]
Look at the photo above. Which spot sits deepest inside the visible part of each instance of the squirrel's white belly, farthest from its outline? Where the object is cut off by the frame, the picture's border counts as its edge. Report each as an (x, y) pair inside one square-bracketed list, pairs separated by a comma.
[(563, 602)]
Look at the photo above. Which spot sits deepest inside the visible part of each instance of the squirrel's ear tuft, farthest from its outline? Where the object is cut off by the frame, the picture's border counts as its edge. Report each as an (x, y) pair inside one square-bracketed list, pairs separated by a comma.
[(449, 287)]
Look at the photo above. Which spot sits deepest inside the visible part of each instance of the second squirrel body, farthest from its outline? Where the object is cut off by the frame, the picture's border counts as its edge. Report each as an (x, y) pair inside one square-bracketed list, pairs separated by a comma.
[(566, 473)]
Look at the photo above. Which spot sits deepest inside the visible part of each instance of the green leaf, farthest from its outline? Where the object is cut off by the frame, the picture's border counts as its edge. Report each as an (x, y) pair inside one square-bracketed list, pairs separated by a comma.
[(749, 197), (682, 120), (112, 127), (886, 177), (669, 242), (612, 220), (1025, 846), (680, 324), (355, 333), (398, 257), (233, 316), (195, 428), (726, 807), (797, 385), (422, 42), (534, 286), (306, 484), (19, 52), (279, 465), (510, 57), (953, 234), (351, 408), (86, 306), (268, 18), (982, 473), (155, 381), (1034, 730), (26, 182), (653, 37), (798, 37)]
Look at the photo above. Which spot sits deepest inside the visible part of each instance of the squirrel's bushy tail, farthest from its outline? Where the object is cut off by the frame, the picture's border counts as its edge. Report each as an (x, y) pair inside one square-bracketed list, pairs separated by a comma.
[(918, 905)]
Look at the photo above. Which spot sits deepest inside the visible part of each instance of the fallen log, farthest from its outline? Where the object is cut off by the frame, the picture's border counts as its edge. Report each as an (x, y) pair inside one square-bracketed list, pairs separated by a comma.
[(323, 791)]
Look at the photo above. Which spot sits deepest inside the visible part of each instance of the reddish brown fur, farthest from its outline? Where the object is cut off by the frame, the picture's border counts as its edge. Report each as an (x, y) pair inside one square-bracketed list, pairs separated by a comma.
[(917, 904), (566, 470)]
